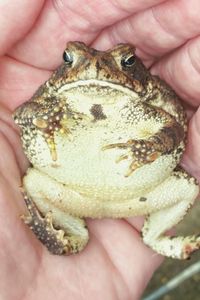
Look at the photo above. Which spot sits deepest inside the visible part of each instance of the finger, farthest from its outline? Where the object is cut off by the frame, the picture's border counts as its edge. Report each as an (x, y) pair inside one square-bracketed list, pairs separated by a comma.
[(18, 81), (191, 159), (169, 21), (10, 160), (134, 261), (61, 21), (17, 244), (157, 30), (8, 164), (17, 17), (136, 222), (181, 70)]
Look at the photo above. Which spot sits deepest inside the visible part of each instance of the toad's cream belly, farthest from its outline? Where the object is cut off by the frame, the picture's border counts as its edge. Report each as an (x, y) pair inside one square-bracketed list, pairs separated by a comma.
[(83, 166)]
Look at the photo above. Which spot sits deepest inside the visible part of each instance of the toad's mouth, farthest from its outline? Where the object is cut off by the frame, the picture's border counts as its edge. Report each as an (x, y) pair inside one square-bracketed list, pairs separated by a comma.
[(97, 88)]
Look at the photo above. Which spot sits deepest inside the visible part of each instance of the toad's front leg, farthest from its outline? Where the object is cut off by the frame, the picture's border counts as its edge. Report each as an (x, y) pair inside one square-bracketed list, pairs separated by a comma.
[(45, 118), (150, 143)]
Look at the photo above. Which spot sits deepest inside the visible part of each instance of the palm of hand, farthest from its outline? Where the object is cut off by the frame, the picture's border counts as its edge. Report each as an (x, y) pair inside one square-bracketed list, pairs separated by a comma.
[(115, 264)]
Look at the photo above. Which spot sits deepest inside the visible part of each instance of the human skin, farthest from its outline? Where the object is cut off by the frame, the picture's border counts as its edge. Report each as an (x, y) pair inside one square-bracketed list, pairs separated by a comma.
[(115, 264)]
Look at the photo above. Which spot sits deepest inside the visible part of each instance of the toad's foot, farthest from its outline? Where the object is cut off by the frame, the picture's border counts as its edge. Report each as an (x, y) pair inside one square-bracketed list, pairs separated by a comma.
[(152, 143), (46, 120), (57, 241), (141, 152), (159, 222)]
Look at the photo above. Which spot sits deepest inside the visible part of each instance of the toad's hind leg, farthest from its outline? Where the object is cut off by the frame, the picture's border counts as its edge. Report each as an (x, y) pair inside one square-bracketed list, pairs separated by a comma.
[(60, 232), (157, 223)]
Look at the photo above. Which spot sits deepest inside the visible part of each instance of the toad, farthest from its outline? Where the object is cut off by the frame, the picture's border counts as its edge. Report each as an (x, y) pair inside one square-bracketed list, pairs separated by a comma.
[(104, 138)]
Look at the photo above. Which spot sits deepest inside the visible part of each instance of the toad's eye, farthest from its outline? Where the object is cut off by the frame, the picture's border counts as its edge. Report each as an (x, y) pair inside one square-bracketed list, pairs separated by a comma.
[(128, 61), (67, 56)]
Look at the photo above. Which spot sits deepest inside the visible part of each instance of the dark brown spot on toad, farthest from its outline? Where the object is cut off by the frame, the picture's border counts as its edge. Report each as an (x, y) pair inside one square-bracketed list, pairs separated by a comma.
[(97, 112), (143, 199)]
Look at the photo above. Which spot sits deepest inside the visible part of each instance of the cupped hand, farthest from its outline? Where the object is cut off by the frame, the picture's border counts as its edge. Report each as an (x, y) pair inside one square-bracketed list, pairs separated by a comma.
[(115, 264)]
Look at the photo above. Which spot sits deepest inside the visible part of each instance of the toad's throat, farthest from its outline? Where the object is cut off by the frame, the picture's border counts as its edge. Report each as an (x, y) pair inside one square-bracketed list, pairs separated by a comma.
[(98, 88)]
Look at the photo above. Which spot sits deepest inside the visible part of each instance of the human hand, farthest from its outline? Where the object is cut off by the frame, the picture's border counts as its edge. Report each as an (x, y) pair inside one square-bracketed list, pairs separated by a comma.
[(116, 264)]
